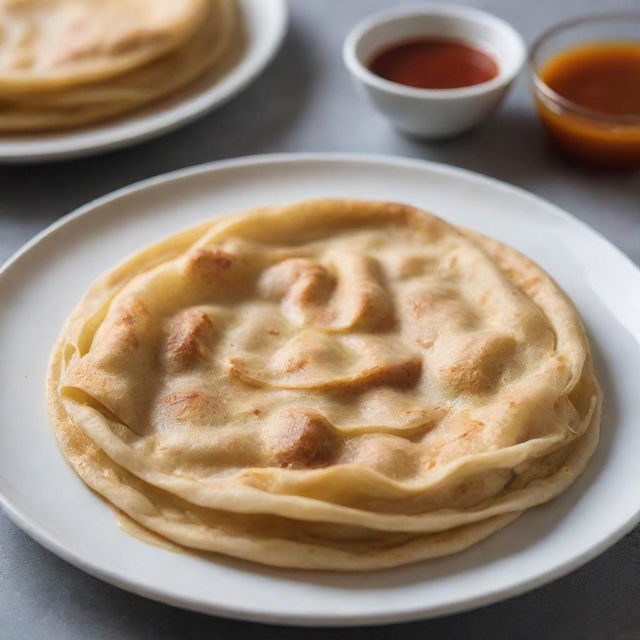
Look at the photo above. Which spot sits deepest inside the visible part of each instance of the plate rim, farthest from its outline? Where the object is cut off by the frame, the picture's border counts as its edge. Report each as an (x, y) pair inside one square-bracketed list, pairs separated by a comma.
[(50, 541), (171, 119)]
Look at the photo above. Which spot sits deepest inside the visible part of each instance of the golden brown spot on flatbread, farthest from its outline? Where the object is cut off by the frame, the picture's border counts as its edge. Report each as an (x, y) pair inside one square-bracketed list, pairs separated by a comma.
[(480, 365), (129, 323), (192, 406), (186, 336), (302, 439), (210, 262)]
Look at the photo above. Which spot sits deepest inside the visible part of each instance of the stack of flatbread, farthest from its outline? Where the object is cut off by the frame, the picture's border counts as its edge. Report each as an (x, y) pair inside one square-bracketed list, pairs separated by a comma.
[(329, 385), (68, 63)]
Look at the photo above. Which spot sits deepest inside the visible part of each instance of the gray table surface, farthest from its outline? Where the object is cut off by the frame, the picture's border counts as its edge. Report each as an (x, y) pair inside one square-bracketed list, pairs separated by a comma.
[(304, 102)]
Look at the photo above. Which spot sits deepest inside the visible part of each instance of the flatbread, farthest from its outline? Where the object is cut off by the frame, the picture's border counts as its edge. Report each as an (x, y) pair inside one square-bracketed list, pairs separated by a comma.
[(330, 384), (48, 107), (57, 43)]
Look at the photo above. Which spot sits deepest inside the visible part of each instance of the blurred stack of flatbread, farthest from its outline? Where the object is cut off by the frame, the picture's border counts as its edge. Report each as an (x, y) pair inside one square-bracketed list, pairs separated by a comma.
[(330, 385), (68, 63)]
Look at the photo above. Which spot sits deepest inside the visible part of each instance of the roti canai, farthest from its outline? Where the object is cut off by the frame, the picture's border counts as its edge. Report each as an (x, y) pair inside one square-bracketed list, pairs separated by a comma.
[(331, 384), (69, 63)]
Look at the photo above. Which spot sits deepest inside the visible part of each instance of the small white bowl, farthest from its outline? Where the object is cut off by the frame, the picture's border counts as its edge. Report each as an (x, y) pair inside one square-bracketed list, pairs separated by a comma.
[(434, 113)]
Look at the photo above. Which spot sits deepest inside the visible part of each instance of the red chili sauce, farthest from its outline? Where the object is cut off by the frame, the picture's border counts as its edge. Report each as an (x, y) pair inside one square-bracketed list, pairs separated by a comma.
[(434, 64)]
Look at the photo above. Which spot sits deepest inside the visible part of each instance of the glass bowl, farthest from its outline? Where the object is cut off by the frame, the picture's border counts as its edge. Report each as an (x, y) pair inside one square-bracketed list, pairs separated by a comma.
[(594, 137)]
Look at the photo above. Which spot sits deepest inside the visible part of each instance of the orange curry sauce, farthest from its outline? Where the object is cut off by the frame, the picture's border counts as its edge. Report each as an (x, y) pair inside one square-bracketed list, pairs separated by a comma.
[(434, 64), (603, 78)]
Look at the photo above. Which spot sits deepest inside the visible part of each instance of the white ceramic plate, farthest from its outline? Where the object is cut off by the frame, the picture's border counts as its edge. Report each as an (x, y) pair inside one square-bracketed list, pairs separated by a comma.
[(40, 286), (265, 23)]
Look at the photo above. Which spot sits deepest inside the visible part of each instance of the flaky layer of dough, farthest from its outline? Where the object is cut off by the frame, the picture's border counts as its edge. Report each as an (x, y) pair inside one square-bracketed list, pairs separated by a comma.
[(57, 43), (133, 61), (331, 384)]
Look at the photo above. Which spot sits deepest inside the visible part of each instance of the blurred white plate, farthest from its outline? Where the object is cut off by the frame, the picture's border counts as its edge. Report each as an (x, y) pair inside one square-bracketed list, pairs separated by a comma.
[(264, 24), (40, 286)]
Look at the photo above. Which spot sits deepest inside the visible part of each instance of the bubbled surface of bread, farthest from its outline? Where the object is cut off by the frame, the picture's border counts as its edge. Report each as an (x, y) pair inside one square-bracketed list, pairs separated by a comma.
[(332, 384)]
